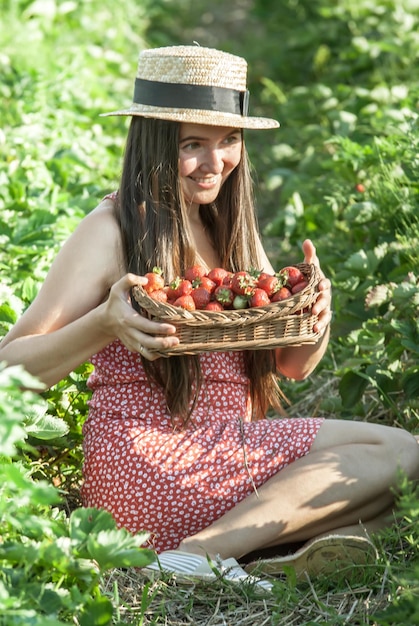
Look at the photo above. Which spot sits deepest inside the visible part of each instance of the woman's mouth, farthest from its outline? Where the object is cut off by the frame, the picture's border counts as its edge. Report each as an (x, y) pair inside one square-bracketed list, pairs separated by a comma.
[(205, 180)]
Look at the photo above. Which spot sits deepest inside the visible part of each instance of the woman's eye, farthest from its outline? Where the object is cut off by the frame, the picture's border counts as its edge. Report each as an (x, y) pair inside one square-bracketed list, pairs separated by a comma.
[(233, 139), (193, 145)]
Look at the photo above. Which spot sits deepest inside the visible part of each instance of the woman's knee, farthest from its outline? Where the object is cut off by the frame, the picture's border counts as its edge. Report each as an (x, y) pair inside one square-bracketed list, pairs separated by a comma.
[(408, 453), (394, 446), (399, 445)]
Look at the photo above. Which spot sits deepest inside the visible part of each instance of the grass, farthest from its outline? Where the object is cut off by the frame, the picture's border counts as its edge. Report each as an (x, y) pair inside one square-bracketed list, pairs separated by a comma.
[(221, 603)]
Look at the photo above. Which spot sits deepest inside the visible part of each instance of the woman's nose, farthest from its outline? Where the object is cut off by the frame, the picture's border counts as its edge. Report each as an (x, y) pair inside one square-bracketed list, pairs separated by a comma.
[(213, 161)]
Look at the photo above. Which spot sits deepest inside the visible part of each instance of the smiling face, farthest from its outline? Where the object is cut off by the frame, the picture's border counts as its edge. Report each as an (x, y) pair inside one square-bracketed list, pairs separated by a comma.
[(207, 156)]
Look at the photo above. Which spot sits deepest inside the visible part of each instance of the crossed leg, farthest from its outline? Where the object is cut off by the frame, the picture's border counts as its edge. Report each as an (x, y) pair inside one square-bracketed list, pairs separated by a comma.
[(348, 477)]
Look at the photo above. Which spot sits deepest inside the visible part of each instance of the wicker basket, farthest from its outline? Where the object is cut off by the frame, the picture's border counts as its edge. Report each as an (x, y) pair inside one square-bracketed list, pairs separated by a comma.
[(284, 323)]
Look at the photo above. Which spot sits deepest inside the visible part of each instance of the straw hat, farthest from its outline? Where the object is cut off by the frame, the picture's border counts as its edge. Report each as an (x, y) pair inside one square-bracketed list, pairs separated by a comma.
[(193, 84)]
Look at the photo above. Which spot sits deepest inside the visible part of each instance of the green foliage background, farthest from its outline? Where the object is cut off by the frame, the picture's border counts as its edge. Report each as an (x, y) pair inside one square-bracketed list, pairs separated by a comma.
[(342, 79)]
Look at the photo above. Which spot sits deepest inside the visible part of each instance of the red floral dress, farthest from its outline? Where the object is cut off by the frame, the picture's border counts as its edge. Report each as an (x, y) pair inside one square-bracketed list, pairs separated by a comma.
[(175, 482)]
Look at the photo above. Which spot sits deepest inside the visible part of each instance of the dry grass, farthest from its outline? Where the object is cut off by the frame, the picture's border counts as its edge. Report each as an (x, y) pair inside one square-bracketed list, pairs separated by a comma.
[(142, 602)]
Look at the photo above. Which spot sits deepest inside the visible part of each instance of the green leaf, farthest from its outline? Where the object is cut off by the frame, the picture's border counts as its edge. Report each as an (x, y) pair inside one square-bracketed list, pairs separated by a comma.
[(52, 600), (15, 552), (361, 212), (29, 289), (38, 493), (362, 263), (351, 388), (44, 426), (410, 384), (7, 314), (98, 613), (59, 555), (85, 521), (11, 432), (119, 548), (405, 291)]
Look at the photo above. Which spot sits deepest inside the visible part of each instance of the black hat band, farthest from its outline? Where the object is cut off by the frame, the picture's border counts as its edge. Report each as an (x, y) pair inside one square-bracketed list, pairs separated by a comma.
[(183, 96)]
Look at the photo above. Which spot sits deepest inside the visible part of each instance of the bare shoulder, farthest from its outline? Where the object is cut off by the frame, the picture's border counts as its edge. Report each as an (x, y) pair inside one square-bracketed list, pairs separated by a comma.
[(97, 243), (103, 218), (83, 272)]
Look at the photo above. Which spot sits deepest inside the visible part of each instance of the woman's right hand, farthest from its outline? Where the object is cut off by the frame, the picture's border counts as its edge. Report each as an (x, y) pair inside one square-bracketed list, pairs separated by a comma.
[(138, 333)]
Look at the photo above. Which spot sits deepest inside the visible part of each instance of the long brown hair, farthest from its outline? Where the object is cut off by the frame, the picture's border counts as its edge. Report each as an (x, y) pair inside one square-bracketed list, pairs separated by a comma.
[(152, 217)]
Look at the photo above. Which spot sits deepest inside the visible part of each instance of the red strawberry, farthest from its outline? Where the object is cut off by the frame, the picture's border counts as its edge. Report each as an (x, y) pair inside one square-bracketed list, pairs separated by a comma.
[(259, 298), (214, 306), (268, 283), (281, 294), (179, 287), (241, 302), (299, 286), (291, 275), (201, 297), (155, 280), (227, 280), (243, 283), (159, 295), (194, 272), (185, 302), (217, 274), (225, 295), (205, 283)]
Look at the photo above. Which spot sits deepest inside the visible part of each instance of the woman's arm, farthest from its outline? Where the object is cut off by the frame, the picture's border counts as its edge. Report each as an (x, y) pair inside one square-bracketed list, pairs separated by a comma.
[(83, 305)]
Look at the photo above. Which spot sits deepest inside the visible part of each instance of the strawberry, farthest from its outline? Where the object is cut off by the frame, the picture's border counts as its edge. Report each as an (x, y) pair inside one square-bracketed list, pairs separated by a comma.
[(194, 272), (201, 297), (243, 283), (159, 295), (214, 306), (299, 286), (281, 294), (225, 295), (291, 275), (240, 302), (227, 280), (268, 283), (185, 302), (155, 280), (205, 283), (259, 298), (217, 274), (179, 287)]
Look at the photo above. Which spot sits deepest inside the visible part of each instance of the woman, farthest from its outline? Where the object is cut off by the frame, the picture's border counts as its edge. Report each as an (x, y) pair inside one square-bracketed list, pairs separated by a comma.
[(180, 446)]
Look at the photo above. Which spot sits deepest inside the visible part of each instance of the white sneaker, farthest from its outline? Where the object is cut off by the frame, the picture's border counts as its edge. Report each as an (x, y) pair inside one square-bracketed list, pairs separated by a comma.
[(189, 567)]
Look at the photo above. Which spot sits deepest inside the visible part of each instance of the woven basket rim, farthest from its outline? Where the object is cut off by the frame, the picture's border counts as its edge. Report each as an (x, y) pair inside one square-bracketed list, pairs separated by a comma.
[(166, 311)]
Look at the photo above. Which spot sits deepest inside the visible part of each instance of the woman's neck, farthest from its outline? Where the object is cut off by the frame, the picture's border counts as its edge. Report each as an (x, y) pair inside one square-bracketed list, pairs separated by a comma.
[(205, 251)]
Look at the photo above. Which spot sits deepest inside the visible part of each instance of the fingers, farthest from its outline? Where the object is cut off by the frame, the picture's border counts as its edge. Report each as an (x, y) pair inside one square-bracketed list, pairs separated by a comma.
[(322, 306), (309, 251), (136, 331), (143, 341)]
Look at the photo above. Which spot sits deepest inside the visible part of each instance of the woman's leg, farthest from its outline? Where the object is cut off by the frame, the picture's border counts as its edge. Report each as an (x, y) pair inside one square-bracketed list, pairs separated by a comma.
[(346, 478)]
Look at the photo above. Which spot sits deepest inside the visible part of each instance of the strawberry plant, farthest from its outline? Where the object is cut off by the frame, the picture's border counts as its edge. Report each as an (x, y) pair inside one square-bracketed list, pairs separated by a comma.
[(51, 565)]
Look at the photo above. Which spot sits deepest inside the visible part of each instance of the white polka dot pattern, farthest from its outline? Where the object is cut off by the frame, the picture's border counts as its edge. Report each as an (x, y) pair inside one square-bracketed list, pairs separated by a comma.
[(174, 483)]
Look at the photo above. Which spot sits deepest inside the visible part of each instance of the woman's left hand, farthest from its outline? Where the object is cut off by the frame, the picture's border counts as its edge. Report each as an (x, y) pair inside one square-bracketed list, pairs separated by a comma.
[(322, 306)]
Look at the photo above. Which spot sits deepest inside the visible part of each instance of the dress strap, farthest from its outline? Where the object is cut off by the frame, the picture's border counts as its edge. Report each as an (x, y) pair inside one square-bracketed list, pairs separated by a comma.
[(111, 196)]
